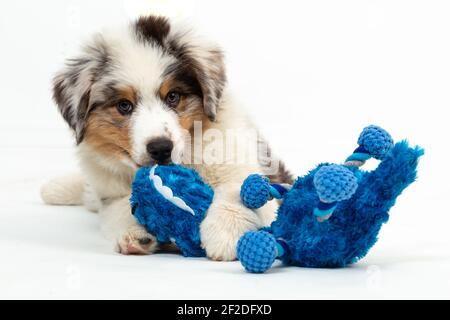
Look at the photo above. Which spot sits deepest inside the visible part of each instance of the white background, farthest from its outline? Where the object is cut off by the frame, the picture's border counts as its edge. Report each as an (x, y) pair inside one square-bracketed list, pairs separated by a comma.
[(312, 73)]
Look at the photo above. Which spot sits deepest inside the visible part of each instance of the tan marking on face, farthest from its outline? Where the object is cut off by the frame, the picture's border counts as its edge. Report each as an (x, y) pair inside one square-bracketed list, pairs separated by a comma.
[(107, 130), (190, 108), (128, 93), (166, 86)]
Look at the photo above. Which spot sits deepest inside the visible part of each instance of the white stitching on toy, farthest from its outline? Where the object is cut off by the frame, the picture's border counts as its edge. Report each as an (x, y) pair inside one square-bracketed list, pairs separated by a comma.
[(167, 193)]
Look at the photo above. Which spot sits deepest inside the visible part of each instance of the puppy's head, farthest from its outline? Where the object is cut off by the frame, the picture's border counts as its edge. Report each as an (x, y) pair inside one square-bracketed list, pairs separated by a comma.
[(133, 93)]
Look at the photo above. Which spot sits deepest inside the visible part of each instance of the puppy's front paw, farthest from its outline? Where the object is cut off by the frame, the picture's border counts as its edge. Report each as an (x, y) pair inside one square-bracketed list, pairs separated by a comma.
[(221, 229), (136, 240)]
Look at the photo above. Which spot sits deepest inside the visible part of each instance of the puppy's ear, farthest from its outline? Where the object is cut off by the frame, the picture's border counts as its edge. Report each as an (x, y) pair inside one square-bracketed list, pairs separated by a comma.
[(205, 61), (72, 85)]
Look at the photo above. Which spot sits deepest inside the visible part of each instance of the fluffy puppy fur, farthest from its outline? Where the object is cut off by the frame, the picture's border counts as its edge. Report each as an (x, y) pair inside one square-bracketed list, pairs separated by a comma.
[(153, 79)]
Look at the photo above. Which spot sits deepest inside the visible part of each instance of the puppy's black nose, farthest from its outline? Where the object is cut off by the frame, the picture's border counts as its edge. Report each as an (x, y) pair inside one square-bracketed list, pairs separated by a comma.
[(160, 149)]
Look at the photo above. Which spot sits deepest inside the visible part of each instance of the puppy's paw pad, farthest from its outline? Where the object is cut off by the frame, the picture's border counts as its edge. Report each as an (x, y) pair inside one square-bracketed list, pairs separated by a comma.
[(136, 241)]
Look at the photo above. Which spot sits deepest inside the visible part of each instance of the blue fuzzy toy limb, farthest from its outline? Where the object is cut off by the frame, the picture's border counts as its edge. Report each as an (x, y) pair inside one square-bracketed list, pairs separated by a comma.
[(256, 191), (353, 228), (257, 250)]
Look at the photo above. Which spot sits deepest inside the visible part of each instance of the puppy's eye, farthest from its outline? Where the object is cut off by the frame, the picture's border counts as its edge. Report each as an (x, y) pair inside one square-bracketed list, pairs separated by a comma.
[(125, 107), (173, 99)]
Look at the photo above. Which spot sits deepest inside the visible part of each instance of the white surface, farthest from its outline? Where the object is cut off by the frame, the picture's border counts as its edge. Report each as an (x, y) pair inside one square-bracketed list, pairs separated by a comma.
[(312, 73)]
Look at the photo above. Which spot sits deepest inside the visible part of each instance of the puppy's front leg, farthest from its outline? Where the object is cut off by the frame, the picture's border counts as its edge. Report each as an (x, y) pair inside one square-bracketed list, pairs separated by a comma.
[(228, 219), (119, 225)]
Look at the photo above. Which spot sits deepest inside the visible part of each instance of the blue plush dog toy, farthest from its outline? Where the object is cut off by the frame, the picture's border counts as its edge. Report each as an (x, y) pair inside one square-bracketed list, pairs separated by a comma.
[(330, 217)]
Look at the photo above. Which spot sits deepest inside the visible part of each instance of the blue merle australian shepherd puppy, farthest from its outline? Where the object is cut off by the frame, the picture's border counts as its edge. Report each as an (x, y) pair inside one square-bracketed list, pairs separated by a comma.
[(133, 97)]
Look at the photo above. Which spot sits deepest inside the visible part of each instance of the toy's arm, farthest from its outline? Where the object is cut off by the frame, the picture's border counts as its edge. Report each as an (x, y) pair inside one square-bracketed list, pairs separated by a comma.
[(256, 190), (335, 183), (257, 250), (374, 142)]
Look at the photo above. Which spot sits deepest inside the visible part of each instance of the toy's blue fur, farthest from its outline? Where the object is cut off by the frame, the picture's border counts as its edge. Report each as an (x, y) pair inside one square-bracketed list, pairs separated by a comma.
[(165, 220), (353, 228)]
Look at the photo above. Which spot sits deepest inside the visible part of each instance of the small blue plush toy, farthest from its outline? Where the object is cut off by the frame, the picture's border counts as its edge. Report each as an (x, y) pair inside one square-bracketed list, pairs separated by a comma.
[(171, 202), (330, 217)]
